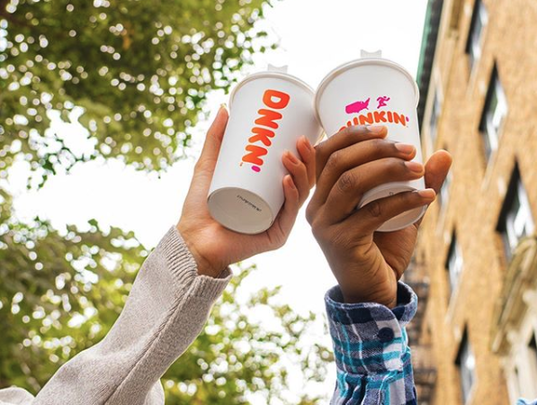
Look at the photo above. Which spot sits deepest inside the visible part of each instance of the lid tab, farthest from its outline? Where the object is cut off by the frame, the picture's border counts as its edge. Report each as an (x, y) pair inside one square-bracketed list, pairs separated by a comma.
[(371, 55), (279, 69)]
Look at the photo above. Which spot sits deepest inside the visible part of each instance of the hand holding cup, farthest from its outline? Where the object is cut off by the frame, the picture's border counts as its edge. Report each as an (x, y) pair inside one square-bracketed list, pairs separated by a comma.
[(367, 263), (213, 246)]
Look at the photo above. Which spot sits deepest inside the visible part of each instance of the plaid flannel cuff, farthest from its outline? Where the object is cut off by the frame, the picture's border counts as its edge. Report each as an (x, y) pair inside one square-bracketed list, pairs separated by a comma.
[(368, 337)]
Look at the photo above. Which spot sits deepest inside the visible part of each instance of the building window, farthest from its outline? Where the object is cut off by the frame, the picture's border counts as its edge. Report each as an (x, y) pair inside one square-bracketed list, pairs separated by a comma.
[(466, 364), (455, 19), (454, 263), (494, 114), (518, 386), (524, 371), (479, 20), (443, 197), (516, 220), (433, 122), (532, 349)]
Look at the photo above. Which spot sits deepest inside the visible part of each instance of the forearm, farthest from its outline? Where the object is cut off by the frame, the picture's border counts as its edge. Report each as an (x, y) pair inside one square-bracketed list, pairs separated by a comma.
[(370, 346), (166, 310)]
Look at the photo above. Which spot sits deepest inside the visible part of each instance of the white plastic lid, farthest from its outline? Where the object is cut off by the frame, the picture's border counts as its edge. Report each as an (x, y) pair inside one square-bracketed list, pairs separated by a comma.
[(369, 59), (277, 73), (270, 74)]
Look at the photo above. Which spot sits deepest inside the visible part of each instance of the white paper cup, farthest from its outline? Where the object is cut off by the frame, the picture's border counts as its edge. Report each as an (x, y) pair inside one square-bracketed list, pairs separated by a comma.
[(269, 112), (375, 91)]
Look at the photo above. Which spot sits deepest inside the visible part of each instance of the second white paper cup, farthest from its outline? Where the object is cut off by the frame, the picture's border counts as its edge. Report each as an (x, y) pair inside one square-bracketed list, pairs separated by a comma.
[(375, 91), (269, 111)]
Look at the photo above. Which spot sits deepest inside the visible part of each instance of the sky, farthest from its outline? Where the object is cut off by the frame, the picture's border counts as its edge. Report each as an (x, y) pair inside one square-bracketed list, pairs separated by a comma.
[(314, 37)]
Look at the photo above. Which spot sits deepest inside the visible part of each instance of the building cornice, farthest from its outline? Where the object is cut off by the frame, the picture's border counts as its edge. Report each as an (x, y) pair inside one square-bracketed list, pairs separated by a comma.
[(427, 52), (517, 295)]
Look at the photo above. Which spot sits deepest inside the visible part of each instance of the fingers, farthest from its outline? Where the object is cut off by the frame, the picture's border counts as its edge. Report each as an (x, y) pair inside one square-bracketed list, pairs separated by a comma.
[(281, 228), (204, 168), (296, 187), (297, 170), (213, 141), (437, 169), (371, 216), (302, 172), (307, 153), (343, 139), (353, 184), (356, 155)]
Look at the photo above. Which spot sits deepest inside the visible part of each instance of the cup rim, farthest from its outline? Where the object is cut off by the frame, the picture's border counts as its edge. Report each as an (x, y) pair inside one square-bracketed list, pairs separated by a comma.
[(395, 187), (360, 62), (278, 75), (285, 76), (228, 221)]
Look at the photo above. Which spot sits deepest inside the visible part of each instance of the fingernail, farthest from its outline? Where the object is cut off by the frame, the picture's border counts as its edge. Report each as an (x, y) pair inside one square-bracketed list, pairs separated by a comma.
[(306, 142), (405, 148), (427, 193), (224, 106), (375, 129), (414, 166), (291, 182), (291, 157)]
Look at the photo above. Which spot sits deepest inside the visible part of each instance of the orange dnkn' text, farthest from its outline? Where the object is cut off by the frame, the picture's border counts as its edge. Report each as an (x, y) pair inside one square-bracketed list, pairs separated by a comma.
[(264, 128)]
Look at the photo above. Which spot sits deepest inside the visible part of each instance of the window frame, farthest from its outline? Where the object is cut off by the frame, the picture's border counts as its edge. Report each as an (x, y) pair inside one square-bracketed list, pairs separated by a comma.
[(474, 45), (532, 355), (434, 119), (445, 189), (522, 363), (466, 390), (492, 122), (513, 226), (458, 264)]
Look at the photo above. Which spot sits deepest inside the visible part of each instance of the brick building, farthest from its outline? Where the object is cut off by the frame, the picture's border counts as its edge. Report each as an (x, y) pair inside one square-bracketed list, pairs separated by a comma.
[(476, 262)]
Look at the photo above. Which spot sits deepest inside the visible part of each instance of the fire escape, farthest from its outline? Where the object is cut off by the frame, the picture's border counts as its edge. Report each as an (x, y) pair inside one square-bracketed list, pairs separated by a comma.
[(422, 355)]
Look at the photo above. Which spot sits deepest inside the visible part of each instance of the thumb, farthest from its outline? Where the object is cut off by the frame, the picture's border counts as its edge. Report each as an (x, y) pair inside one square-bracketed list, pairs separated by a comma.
[(436, 169), (213, 141)]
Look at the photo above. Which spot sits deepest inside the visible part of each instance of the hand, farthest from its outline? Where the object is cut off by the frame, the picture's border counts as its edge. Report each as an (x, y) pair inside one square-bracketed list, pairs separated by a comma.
[(215, 247), (366, 263)]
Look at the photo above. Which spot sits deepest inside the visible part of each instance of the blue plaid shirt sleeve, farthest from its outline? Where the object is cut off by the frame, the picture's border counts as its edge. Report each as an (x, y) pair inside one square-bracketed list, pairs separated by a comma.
[(371, 350)]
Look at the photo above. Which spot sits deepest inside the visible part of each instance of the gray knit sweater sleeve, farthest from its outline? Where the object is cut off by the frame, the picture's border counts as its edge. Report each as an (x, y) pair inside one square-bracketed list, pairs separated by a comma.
[(166, 310)]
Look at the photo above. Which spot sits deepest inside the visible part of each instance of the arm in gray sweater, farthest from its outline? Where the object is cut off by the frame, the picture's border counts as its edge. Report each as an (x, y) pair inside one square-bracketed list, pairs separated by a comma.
[(166, 310), (173, 293)]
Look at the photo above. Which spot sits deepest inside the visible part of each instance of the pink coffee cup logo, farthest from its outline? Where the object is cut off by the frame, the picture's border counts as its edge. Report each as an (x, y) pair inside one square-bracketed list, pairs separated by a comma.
[(381, 115), (264, 128)]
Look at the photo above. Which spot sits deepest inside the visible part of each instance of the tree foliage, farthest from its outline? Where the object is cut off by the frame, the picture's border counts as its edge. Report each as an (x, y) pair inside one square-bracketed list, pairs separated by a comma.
[(60, 294), (140, 70), (238, 354), (135, 74)]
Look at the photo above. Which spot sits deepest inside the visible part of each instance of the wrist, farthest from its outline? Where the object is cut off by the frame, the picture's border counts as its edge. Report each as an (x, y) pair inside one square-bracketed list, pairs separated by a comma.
[(385, 298), (391, 303), (381, 288), (204, 265)]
